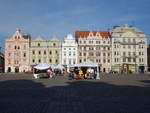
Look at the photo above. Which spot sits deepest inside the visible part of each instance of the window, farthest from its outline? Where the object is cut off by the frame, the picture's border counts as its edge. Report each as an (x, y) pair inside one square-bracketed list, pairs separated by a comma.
[(56, 61), (129, 53), (129, 59), (38, 44), (18, 47), (74, 53), (108, 60), (134, 41), (139, 59), (80, 54), (24, 54), (69, 53), (96, 60), (9, 61), (15, 47), (56, 52), (44, 52), (54, 44), (124, 59), (9, 46), (39, 52), (64, 61), (18, 37), (84, 54), (33, 52), (33, 60), (39, 60), (129, 46), (129, 40), (104, 61), (24, 46), (91, 54), (64, 53), (98, 54), (134, 59), (50, 52), (74, 61), (9, 54), (124, 53), (50, 60), (80, 60), (124, 46)]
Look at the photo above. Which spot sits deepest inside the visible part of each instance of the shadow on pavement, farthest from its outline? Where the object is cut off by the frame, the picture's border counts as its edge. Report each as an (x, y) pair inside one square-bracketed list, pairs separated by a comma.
[(28, 96)]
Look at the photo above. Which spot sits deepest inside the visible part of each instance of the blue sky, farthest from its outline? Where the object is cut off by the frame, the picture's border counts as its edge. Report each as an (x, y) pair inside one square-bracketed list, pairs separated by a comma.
[(60, 17)]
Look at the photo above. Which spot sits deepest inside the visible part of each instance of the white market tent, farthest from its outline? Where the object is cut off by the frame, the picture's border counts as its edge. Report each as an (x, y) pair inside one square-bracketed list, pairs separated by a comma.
[(59, 66), (88, 64), (42, 66)]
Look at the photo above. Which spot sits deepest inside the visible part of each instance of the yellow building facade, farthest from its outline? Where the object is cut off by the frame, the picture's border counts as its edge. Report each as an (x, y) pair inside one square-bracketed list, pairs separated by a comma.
[(45, 51)]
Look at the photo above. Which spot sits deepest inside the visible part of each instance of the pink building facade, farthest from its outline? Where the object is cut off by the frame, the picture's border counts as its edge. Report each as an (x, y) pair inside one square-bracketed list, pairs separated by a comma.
[(17, 52)]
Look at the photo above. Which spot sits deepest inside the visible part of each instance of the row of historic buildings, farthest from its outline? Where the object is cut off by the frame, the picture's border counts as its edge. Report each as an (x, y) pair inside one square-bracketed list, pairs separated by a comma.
[(120, 49)]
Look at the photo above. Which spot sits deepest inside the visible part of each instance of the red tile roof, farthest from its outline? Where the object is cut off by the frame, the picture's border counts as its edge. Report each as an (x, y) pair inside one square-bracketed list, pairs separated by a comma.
[(85, 34)]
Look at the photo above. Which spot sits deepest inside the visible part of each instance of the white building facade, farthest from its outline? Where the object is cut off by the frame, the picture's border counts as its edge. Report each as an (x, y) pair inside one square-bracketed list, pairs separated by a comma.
[(69, 51), (129, 49)]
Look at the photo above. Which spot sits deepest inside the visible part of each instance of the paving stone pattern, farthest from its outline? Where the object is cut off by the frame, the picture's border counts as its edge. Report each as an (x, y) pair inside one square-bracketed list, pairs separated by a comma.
[(21, 93)]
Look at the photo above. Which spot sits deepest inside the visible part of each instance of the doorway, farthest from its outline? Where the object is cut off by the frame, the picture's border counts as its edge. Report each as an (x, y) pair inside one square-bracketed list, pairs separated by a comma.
[(16, 69)]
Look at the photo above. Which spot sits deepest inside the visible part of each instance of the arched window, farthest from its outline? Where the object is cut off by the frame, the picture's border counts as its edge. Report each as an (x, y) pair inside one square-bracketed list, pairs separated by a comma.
[(54, 44), (38, 44)]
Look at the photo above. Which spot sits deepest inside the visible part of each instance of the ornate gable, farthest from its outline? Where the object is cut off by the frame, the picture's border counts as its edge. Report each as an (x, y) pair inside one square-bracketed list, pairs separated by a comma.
[(128, 35)]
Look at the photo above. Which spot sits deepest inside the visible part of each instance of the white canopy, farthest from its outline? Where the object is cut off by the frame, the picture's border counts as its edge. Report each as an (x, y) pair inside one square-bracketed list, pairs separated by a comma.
[(59, 66), (86, 64), (42, 66)]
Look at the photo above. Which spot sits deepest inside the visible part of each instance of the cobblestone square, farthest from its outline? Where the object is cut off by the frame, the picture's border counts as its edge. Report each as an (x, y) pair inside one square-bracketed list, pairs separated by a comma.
[(21, 93)]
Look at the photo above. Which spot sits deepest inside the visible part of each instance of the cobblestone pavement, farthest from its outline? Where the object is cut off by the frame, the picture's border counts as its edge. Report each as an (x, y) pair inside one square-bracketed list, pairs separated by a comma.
[(20, 93)]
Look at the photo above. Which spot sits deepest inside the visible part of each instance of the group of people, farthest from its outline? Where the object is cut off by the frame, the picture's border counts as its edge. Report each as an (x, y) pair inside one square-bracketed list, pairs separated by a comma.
[(55, 72), (82, 73), (49, 73)]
